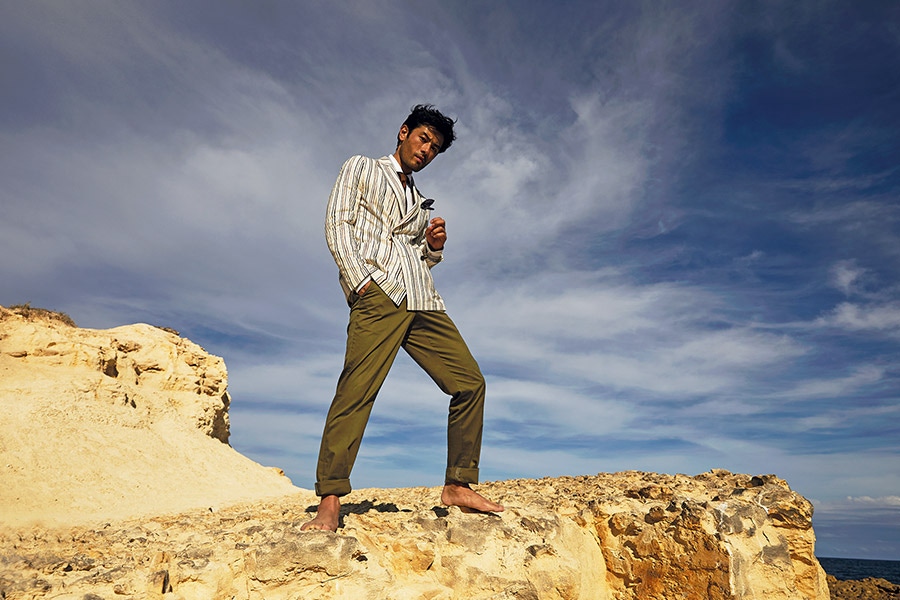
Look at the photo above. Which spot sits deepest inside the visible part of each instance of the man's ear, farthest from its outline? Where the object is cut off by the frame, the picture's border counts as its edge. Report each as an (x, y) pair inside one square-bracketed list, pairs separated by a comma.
[(404, 132)]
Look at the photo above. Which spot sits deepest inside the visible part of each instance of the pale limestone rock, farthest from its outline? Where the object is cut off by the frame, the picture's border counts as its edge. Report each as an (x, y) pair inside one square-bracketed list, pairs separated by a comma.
[(128, 425), (106, 424), (151, 371), (714, 541)]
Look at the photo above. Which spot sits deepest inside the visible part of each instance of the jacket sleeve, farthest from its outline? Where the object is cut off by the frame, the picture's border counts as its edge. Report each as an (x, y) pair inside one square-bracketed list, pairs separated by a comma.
[(340, 220), (431, 257)]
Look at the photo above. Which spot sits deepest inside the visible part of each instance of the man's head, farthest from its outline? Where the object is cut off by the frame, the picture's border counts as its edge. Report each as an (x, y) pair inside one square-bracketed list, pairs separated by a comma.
[(425, 134), (427, 114)]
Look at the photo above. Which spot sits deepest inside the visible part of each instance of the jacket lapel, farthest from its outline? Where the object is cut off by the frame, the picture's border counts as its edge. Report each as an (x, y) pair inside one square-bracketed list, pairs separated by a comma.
[(394, 181), (409, 221), (415, 214)]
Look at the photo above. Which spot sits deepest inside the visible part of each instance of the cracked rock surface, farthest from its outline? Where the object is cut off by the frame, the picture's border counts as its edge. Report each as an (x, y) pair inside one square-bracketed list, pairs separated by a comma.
[(116, 481), (619, 535)]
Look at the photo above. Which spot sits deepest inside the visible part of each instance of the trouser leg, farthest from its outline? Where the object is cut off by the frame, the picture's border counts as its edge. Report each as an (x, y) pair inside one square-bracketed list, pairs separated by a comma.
[(435, 343), (374, 336)]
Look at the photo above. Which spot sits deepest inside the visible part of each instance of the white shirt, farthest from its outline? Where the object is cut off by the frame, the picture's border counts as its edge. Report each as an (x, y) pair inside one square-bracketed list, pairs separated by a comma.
[(407, 189)]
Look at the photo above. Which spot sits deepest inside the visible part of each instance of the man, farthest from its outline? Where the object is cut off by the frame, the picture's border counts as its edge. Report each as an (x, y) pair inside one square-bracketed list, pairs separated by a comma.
[(378, 230)]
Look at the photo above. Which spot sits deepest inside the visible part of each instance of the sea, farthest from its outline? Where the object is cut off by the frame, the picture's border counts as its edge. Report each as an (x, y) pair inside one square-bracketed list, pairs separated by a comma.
[(857, 568)]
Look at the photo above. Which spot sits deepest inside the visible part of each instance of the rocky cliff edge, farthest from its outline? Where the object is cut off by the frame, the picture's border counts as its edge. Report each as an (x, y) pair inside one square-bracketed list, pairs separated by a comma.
[(116, 481)]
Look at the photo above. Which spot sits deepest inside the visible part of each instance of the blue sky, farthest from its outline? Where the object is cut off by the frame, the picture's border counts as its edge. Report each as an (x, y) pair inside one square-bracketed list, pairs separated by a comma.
[(674, 228)]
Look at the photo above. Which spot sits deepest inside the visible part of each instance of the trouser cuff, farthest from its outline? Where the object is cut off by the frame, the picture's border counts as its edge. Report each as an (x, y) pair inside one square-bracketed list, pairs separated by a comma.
[(461, 475), (333, 487)]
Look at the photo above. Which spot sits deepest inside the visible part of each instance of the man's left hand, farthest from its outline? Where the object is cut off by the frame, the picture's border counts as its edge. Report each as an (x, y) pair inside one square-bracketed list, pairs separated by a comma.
[(436, 234)]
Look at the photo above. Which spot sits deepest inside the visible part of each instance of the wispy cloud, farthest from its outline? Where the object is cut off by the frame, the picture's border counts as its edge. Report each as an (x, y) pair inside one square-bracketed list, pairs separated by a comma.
[(879, 318), (845, 276), (873, 521), (836, 387)]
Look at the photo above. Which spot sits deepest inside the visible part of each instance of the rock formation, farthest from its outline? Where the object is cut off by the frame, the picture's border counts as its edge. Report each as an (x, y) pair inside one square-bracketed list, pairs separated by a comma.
[(113, 458), (114, 423), (870, 588)]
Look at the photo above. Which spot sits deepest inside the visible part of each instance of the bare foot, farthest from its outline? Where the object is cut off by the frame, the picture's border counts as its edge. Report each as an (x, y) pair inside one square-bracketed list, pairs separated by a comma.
[(327, 517), (461, 495)]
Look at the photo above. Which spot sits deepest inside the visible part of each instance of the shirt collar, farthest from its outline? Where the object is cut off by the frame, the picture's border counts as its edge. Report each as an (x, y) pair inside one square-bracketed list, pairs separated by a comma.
[(398, 169)]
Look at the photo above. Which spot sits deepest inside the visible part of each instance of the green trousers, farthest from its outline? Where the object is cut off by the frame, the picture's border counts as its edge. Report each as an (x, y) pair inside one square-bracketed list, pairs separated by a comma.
[(377, 330)]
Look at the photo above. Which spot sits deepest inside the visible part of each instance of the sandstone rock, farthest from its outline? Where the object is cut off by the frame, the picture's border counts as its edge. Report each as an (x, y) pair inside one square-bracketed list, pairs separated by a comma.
[(147, 369), (870, 588), (712, 543), (105, 424), (118, 483)]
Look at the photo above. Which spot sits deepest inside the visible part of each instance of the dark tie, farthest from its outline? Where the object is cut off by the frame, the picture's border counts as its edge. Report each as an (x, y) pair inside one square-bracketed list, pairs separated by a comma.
[(402, 178)]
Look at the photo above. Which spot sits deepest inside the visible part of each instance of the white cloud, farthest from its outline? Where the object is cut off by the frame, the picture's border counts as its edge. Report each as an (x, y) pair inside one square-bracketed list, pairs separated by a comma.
[(883, 318), (864, 214), (845, 275), (856, 507), (836, 387), (308, 380), (571, 306), (558, 410), (605, 331), (884, 501)]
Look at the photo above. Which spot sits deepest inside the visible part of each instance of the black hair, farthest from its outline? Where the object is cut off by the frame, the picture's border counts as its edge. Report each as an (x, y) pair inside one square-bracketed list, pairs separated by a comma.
[(427, 114)]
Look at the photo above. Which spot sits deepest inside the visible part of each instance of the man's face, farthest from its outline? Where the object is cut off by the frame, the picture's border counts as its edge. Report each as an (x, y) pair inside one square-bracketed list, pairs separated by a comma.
[(417, 147)]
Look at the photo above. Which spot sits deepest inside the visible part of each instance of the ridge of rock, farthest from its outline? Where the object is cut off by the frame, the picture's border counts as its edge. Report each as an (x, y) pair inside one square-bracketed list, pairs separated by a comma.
[(107, 424), (870, 588), (116, 481)]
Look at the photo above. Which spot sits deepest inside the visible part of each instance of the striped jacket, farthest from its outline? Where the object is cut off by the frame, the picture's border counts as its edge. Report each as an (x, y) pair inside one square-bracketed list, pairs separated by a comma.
[(371, 234)]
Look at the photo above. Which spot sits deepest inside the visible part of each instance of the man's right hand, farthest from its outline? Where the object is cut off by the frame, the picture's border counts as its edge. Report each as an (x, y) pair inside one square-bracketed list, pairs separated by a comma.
[(363, 289)]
